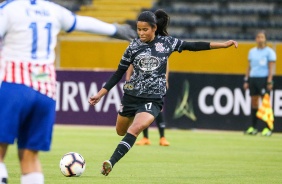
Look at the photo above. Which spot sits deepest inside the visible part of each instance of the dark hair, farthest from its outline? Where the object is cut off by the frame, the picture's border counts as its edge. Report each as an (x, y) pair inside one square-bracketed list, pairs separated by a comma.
[(162, 22), (261, 32), (160, 19)]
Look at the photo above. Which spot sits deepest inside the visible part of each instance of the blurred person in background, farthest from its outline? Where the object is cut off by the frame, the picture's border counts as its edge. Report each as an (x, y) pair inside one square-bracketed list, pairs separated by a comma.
[(144, 92), (29, 29), (159, 119), (259, 79)]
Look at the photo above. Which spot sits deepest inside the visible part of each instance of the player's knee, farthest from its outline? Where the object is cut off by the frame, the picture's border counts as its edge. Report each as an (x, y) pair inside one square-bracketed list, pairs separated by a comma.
[(120, 132)]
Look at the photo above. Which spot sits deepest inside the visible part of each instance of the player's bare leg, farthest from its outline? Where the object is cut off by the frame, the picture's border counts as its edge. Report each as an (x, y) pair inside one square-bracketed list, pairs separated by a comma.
[(3, 150), (123, 124), (29, 161), (141, 121), (30, 166)]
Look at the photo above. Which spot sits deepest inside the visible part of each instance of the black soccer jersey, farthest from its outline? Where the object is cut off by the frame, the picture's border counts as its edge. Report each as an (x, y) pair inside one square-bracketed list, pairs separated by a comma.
[(149, 61)]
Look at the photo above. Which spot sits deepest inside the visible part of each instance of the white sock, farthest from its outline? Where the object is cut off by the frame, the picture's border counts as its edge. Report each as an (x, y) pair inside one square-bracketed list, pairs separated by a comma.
[(3, 173), (32, 178)]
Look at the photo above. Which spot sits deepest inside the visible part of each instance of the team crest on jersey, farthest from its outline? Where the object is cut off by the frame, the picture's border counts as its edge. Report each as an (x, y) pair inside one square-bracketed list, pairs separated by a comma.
[(159, 47), (128, 86)]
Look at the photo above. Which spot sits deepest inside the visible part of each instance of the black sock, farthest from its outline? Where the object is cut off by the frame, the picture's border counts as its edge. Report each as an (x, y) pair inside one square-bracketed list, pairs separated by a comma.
[(124, 146), (4, 180), (145, 133), (161, 124), (254, 117)]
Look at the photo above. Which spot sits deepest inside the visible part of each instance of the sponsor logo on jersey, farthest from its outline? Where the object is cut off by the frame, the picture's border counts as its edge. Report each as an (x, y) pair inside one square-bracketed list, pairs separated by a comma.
[(148, 63), (38, 74)]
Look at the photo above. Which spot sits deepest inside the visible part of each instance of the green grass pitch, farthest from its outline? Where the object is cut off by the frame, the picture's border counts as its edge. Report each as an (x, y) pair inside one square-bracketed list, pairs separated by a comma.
[(198, 157)]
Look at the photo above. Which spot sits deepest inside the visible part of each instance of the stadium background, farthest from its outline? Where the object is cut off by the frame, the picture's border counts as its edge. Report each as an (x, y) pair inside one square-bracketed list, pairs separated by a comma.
[(205, 87)]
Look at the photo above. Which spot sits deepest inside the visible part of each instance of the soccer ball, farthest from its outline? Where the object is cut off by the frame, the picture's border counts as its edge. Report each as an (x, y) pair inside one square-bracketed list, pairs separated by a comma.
[(72, 164)]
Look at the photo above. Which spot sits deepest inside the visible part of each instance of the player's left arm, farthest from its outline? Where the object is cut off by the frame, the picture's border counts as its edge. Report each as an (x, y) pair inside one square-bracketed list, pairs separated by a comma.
[(198, 46), (271, 67), (219, 45)]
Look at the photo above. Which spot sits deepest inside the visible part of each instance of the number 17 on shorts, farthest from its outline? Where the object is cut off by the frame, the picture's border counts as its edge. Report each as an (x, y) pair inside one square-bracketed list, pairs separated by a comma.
[(148, 106)]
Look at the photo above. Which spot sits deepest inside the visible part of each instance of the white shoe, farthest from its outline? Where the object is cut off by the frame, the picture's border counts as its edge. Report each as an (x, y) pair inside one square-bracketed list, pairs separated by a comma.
[(106, 167)]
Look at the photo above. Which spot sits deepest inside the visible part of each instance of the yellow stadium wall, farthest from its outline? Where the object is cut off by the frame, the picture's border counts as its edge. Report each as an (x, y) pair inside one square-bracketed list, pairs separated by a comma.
[(279, 59), (106, 54)]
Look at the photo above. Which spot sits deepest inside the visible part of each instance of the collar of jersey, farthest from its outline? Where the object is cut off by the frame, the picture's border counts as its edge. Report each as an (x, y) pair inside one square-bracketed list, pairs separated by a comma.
[(150, 43)]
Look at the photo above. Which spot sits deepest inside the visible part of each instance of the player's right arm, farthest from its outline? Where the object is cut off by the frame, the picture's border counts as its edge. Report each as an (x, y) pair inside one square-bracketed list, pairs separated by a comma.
[(3, 22), (116, 77), (96, 98), (123, 66)]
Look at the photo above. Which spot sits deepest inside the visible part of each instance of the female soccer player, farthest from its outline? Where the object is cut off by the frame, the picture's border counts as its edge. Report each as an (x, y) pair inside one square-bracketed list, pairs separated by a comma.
[(29, 30), (259, 78), (144, 92), (159, 119)]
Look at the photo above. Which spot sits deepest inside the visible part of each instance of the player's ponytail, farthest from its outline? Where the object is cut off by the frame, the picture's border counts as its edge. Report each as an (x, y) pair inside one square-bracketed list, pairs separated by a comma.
[(162, 22), (160, 19)]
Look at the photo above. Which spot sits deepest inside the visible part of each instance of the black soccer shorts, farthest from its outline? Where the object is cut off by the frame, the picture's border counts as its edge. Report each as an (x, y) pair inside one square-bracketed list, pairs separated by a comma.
[(258, 86), (131, 105)]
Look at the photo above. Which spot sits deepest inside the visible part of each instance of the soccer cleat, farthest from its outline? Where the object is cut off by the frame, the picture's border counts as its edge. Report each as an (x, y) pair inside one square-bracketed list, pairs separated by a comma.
[(106, 168), (251, 131), (164, 142), (4, 181), (266, 132), (143, 141)]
